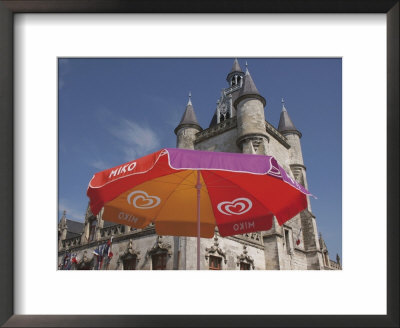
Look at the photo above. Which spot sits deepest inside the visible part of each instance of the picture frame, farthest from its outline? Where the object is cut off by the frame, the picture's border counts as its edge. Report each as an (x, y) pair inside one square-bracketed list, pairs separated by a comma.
[(8, 8)]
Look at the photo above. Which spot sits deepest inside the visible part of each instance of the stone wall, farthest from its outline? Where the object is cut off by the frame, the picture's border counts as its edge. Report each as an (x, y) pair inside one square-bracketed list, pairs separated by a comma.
[(279, 151), (220, 142), (228, 249)]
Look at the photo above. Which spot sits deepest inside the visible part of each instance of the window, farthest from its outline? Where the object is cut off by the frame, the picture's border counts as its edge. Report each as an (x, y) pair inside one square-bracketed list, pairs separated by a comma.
[(159, 261), (130, 263), (244, 266), (287, 241), (92, 229), (215, 263)]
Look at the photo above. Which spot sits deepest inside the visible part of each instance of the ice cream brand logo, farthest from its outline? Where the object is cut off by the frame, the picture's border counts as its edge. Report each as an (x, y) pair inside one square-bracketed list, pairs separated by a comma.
[(238, 206), (122, 169), (141, 200), (243, 226), (127, 217)]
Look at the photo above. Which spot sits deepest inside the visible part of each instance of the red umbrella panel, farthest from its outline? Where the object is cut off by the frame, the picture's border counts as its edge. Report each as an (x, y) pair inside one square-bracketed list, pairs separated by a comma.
[(186, 191)]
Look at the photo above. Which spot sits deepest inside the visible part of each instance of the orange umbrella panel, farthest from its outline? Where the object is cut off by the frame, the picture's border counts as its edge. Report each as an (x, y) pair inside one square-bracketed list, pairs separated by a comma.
[(170, 202)]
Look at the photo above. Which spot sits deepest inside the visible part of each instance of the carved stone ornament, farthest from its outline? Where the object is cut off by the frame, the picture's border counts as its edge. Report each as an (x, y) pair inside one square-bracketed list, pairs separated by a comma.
[(245, 258), (85, 263), (223, 108), (322, 243), (215, 249), (160, 247), (129, 253)]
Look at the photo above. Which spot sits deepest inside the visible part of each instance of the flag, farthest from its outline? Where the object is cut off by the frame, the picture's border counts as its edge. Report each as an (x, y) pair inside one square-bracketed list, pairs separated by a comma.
[(298, 238), (74, 259), (99, 252), (103, 252), (66, 265), (108, 253)]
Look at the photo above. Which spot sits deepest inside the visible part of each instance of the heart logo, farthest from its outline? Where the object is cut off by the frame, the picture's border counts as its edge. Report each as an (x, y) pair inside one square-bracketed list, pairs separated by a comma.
[(142, 200), (238, 206)]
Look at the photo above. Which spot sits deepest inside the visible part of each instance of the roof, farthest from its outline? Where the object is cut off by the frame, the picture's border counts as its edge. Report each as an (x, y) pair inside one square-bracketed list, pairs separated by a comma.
[(285, 123), (75, 227), (189, 118), (236, 66), (72, 234), (249, 89), (235, 69), (108, 224)]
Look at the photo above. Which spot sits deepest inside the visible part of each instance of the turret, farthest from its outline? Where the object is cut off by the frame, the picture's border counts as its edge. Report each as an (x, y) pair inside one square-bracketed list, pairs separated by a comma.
[(235, 76), (91, 225), (293, 135), (187, 128), (62, 227), (252, 136), (324, 250)]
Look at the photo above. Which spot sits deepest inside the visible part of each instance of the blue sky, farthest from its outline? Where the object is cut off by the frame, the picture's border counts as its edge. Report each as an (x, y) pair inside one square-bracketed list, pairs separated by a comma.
[(114, 110)]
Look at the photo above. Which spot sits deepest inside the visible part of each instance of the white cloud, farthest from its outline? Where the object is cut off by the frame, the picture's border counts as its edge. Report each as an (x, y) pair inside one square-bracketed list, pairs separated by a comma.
[(72, 211), (99, 165), (135, 140)]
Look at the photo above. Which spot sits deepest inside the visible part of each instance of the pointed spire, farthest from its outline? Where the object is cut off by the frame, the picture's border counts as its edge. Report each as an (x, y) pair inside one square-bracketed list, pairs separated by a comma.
[(189, 118), (322, 242), (236, 66), (285, 123), (63, 220), (276, 228), (64, 217), (249, 89), (283, 105), (338, 259), (248, 84), (236, 70)]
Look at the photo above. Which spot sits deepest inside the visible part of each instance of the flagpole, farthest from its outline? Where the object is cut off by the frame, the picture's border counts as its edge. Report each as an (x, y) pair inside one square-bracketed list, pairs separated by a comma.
[(198, 187)]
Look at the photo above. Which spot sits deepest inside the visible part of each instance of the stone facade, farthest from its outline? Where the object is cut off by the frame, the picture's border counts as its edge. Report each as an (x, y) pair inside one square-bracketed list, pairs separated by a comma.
[(238, 125)]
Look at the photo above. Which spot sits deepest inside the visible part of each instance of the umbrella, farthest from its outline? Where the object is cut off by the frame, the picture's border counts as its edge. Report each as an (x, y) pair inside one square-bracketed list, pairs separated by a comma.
[(190, 192)]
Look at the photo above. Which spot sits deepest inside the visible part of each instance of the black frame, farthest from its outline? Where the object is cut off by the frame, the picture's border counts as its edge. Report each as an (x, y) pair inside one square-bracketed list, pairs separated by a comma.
[(7, 10)]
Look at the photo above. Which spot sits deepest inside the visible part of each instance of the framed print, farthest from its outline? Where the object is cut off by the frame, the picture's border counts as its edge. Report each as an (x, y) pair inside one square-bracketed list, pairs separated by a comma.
[(38, 35)]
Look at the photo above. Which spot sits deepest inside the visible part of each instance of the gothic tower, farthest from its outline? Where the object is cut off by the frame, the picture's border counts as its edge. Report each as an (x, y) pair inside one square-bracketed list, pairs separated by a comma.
[(292, 135), (252, 137), (298, 169)]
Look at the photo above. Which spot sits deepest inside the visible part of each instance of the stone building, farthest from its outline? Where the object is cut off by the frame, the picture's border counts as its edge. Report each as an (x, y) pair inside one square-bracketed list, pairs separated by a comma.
[(238, 125)]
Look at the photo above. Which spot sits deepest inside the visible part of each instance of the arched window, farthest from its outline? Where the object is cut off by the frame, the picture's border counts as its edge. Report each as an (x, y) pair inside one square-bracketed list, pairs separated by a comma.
[(215, 262), (159, 261), (245, 261), (129, 262), (159, 254), (244, 266), (214, 255)]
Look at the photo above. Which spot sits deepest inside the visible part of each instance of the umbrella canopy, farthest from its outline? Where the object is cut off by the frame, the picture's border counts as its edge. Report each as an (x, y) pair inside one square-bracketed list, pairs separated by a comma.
[(184, 192)]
